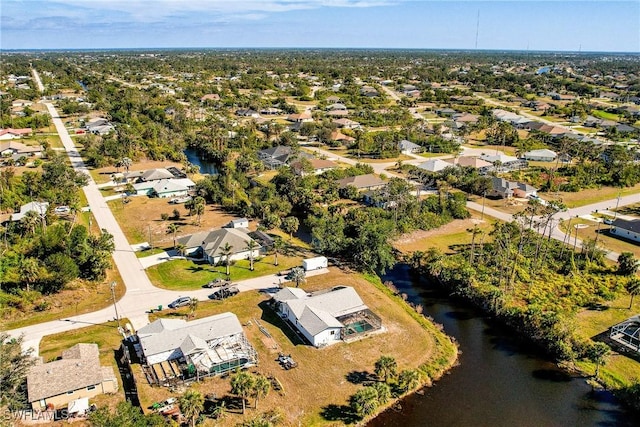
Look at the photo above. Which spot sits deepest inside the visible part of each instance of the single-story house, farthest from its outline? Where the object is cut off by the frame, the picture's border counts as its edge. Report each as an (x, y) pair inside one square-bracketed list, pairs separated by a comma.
[(318, 166), (336, 106), (275, 157), (212, 345), (338, 113), (434, 165), (628, 229), (78, 374), (502, 158), (346, 123), (38, 207), (362, 182), (336, 135), (326, 317), (15, 148), (209, 244), (11, 133), (408, 147), (469, 161), (542, 155), (165, 188), (504, 189), (247, 112), (21, 103), (300, 118)]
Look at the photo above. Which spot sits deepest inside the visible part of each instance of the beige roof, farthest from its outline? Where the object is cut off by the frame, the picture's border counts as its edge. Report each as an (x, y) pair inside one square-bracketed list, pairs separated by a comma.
[(19, 147), (361, 181), (474, 162), (79, 367)]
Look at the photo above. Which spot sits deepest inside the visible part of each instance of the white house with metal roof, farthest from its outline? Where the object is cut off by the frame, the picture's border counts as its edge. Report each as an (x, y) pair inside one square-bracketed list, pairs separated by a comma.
[(212, 345), (326, 317)]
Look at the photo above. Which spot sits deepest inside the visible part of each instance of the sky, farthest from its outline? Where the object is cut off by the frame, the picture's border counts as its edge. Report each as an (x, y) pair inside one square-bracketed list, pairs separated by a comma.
[(550, 25)]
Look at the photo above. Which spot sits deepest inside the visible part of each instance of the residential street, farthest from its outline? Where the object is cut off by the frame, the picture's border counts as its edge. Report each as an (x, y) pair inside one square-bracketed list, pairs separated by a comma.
[(140, 294)]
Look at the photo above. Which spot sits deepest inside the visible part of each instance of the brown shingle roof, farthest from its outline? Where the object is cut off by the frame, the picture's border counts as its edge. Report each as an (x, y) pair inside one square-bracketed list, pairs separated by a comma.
[(78, 368)]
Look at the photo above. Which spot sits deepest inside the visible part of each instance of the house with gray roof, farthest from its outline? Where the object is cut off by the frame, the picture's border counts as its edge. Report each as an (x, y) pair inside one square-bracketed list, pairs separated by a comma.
[(326, 317), (504, 188), (212, 346), (76, 375), (542, 155), (408, 147), (627, 229), (209, 244), (362, 182)]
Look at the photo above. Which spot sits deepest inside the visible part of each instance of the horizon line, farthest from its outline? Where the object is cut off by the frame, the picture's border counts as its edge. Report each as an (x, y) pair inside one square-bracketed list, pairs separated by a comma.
[(466, 50)]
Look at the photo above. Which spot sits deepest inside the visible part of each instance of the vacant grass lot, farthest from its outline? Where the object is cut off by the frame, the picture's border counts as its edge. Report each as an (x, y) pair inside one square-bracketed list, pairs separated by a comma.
[(141, 221), (321, 383), (182, 274), (590, 195), (605, 239), (75, 299)]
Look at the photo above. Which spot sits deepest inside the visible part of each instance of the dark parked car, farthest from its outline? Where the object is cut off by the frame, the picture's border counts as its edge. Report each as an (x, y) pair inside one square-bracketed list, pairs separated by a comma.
[(180, 302), (225, 292)]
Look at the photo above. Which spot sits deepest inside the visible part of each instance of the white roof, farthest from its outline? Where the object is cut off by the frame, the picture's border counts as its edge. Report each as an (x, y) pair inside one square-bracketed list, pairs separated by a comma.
[(39, 207), (434, 165), (317, 312), (498, 157), (541, 153), (170, 334)]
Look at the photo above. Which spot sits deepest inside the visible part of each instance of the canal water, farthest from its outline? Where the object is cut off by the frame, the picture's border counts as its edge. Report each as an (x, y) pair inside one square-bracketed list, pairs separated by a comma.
[(194, 159), (500, 381)]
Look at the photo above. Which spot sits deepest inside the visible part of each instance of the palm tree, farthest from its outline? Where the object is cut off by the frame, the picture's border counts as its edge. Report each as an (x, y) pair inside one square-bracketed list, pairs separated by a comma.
[(191, 404), (219, 411), (225, 251), (29, 271), (278, 245), (193, 305), (408, 379), (251, 247), (290, 225), (181, 249), (365, 401), (198, 208), (598, 353), (298, 275), (173, 228), (242, 385), (261, 388), (627, 264), (30, 221), (633, 287), (386, 368)]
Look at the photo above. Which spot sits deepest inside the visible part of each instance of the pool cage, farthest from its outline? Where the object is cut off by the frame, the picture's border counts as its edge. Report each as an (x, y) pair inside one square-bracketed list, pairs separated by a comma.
[(221, 356), (359, 324), (627, 333)]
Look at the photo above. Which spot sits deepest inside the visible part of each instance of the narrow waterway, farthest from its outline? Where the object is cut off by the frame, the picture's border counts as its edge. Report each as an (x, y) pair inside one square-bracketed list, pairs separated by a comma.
[(501, 381), (194, 159)]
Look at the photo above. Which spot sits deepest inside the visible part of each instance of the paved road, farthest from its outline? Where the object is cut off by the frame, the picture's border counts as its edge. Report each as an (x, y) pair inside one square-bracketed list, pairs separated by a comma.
[(140, 294)]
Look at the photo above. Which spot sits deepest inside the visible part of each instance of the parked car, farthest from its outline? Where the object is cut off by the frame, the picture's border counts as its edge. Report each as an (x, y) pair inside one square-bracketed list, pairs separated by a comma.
[(225, 292), (62, 209), (180, 302), (217, 282)]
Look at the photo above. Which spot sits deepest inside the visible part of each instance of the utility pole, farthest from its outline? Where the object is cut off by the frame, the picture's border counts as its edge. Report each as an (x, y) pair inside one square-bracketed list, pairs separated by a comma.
[(150, 243), (615, 213), (484, 196), (113, 295)]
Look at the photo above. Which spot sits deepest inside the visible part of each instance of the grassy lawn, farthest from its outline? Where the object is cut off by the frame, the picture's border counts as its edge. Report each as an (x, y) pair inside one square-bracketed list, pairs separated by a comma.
[(186, 275), (445, 238), (604, 115), (148, 252), (619, 370), (141, 220), (606, 240), (591, 195), (321, 383), (71, 301)]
